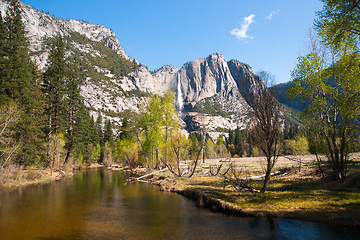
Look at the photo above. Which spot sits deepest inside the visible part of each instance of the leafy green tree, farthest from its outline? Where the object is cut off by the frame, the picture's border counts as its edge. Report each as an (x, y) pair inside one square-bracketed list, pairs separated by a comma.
[(339, 20), (96, 153), (333, 93), (196, 144), (177, 151), (127, 150), (169, 119), (156, 127), (220, 148), (151, 125), (209, 148)]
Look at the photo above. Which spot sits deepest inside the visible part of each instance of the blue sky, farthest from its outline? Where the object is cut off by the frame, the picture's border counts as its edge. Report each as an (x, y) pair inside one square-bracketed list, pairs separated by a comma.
[(267, 34)]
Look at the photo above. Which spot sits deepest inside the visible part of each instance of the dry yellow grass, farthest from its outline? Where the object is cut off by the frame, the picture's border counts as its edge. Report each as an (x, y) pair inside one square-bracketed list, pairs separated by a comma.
[(297, 195)]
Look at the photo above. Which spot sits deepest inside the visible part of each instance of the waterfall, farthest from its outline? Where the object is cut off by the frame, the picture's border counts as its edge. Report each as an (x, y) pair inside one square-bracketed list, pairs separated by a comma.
[(179, 95)]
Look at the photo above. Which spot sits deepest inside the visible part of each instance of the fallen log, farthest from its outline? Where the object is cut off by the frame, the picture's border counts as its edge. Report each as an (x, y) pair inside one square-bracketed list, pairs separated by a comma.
[(146, 175)]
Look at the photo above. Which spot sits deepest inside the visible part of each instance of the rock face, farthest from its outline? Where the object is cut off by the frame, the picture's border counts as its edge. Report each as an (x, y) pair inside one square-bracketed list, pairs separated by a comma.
[(159, 82), (206, 77), (209, 77), (247, 83), (215, 93)]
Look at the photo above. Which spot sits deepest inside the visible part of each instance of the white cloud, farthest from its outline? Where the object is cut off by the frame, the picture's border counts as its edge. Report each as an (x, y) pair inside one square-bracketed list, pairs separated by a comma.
[(269, 17), (241, 33)]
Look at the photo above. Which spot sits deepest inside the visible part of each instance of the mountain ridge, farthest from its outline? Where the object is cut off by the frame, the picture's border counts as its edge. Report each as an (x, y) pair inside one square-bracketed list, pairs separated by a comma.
[(114, 83)]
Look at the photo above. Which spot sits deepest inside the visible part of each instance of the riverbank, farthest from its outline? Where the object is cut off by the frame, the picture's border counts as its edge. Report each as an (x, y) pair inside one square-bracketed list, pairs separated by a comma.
[(299, 195), (13, 176)]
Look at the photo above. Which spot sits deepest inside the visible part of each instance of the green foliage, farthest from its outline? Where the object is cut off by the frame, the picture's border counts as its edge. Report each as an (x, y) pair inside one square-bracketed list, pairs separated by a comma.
[(196, 140), (127, 151), (338, 21), (109, 59), (108, 133), (19, 82), (157, 125), (239, 142), (174, 151), (125, 130), (16, 73), (107, 153), (54, 84), (290, 132), (211, 106), (96, 154), (332, 89), (220, 148)]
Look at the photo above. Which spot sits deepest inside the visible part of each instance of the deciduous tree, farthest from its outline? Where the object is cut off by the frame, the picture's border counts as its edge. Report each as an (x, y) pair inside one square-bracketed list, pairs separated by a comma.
[(338, 21), (266, 129), (332, 89)]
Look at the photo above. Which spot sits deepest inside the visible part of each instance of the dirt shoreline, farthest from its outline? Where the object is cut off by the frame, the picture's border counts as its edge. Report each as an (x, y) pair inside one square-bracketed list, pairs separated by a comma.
[(204, 200), (30, 176)]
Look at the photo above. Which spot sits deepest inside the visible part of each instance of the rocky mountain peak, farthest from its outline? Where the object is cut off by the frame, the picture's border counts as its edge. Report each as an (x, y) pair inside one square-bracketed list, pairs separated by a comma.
[(213, 92), (41, 26), (247, 82)]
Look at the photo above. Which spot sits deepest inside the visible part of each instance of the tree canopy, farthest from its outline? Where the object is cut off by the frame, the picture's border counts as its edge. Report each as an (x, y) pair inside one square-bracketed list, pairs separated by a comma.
[(338, 20)]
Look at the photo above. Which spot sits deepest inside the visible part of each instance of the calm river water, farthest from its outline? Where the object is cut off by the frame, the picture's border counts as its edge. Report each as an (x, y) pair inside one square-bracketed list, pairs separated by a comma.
[(95, 204)]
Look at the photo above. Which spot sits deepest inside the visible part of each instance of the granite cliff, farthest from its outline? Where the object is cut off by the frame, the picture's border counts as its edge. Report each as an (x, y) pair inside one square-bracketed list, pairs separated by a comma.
[(212, 94)]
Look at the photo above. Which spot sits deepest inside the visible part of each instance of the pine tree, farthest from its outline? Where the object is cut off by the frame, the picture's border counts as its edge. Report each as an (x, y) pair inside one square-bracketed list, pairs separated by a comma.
[(108, 133), (73, 110), (125, 133), (16, 75), (30, 128), (3, 37), (83, 135), (99, 128), (54, 82), (18, 82)]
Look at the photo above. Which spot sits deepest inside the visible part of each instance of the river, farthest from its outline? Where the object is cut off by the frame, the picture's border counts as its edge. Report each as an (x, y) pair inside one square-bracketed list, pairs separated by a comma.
[(95, 204)]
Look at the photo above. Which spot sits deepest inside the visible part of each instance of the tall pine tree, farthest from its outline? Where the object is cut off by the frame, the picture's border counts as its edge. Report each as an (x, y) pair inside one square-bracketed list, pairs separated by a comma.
[(18, 83), (16, 79), (3, 37), (54, 86)]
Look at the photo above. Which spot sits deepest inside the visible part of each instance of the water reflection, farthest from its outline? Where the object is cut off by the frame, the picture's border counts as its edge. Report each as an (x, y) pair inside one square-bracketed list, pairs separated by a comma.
[(97, 205)]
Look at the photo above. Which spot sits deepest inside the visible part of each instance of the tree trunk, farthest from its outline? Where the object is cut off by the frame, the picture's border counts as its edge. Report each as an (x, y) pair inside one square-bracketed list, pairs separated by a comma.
[(55, 152), (68, 154), (267, 179)]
